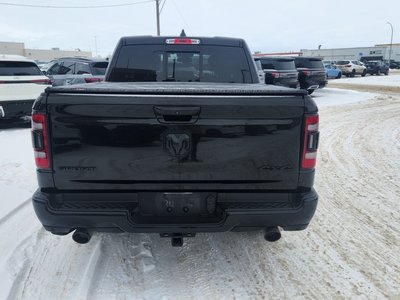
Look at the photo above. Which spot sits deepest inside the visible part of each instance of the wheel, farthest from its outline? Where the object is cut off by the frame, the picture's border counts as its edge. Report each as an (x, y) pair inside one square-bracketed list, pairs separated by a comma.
[(339, 75), (387, 73), (378, 72), (364, 73), (353, 73)]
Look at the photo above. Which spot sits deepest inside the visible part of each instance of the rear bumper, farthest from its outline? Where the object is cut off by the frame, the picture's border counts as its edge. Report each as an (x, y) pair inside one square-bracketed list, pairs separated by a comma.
[(288, 82), (60, 213), (291, 82), (309, 81), (15, 109), (333, 75)]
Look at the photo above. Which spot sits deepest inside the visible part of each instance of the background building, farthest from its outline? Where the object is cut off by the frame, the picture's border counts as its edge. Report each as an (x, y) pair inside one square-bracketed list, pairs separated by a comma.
[(39, 54), (378, 52)]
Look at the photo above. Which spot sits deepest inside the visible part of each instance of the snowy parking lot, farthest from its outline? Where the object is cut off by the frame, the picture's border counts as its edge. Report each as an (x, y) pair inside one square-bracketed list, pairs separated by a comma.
[(392, 80), (350, 250)]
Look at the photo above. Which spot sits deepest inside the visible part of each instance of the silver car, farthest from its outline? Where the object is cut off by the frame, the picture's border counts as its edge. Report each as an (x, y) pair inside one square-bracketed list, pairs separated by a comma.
[(75, 70)]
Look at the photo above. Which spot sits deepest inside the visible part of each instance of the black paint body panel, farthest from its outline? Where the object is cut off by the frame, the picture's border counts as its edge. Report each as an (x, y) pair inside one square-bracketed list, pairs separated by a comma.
[(118, 142)]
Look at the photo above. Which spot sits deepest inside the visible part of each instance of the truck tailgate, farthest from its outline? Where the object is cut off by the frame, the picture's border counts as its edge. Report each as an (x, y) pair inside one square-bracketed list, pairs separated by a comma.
[(175, 142)]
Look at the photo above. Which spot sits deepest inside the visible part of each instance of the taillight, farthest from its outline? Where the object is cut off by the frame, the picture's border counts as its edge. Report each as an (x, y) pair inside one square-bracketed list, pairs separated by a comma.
[(92, 79), (41, 81), (307, 72), (39, 141), (311, 139), (275, 74)]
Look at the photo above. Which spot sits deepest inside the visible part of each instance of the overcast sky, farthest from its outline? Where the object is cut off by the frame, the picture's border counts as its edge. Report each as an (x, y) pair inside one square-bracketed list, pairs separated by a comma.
[(267, 26)]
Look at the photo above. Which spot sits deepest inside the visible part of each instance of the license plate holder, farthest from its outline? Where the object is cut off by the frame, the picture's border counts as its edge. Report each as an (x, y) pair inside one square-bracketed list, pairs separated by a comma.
[(177, 203)]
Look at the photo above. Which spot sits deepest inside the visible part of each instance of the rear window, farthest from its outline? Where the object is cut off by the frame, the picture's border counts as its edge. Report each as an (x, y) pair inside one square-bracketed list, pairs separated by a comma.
[(279, 64), (343, 62), (182, 64), (19, 68), (99, 68), (309, 63)]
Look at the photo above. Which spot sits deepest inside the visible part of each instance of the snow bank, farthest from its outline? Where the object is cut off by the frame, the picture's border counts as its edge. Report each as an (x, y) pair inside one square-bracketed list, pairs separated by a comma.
[(17, 169), (331, 97), (383, 80)]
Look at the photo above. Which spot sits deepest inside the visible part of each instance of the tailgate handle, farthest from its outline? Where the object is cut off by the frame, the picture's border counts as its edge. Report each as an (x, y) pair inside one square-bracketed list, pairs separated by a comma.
[(177, 114)]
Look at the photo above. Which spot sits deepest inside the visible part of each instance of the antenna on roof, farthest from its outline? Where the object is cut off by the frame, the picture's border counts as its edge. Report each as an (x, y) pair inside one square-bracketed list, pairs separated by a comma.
[(183, 34)]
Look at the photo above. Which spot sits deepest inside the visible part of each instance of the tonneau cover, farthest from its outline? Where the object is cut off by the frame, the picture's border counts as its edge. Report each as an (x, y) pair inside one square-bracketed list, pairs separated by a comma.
[(176, 88)]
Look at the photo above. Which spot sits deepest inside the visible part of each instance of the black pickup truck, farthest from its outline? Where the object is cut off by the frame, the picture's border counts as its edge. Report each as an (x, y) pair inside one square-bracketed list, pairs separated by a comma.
[(180, 138)]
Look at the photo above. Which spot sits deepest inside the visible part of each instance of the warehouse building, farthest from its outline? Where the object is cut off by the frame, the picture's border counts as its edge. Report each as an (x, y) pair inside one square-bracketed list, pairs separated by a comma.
[(39, 54), (378, 52)]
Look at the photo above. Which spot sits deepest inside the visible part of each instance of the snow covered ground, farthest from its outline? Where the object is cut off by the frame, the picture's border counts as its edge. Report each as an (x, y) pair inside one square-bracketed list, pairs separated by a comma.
[(331, 96), (350, 250), (382, 80)]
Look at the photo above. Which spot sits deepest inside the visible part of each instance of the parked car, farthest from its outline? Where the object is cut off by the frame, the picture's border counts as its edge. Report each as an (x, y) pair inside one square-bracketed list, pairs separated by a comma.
[(279, 71), (377, 67), (44, 67), (350, 68), (312, 74), (181, 138), (75, 70), (21, 82), (332, 71), (42, 64), (395, 65), (329, 62)]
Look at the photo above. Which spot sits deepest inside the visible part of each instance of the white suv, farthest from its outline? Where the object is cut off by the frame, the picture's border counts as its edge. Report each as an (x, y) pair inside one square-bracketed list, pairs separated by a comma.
[(350, 68), (21, 82)]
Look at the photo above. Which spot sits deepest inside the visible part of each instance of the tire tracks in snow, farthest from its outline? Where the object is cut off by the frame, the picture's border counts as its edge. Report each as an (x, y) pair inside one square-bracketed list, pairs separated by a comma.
[(360, 154), (18, 231), (14, 211)]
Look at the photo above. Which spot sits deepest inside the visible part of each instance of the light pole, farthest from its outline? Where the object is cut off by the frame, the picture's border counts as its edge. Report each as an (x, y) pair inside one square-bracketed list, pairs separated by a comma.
[(391, 42), (158, 16), (95, 44)]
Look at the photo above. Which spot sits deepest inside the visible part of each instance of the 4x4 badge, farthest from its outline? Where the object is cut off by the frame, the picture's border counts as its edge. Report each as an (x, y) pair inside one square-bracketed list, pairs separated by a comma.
[(177, 144)]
